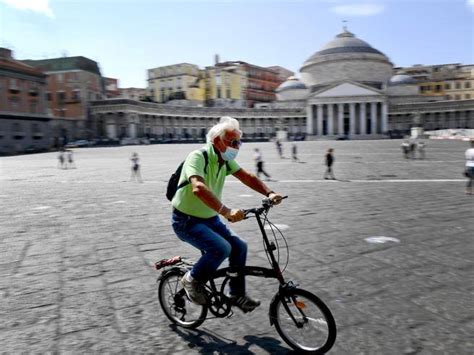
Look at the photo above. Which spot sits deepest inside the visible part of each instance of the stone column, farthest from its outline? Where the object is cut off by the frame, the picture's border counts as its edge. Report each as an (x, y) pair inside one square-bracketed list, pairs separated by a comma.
[(362, 119), (111, 125), (352, 118), (340, 117), (330, 119), (373, 117), (384, 117), (132, 129), (320, 120), (310, 119)]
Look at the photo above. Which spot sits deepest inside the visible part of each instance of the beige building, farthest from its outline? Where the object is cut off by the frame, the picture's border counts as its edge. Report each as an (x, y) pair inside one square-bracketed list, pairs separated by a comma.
[(132, 93), (172, 81), (225, 86), (444, 81)]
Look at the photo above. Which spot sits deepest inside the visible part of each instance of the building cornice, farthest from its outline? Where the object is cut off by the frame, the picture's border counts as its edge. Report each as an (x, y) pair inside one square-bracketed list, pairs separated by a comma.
[(432, 106), (153, 109)]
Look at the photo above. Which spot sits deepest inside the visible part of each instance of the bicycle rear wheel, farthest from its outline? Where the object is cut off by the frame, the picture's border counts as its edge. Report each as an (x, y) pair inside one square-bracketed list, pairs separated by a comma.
[(303, 321), (176, 304)]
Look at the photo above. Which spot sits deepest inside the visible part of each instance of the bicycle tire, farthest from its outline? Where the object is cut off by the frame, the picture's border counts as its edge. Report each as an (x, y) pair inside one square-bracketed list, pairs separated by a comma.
[(170, 292), (317, 322)]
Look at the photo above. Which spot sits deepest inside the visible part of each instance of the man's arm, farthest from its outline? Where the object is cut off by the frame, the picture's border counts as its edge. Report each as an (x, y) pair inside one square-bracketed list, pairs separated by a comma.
[(256, 184), (203, 192)]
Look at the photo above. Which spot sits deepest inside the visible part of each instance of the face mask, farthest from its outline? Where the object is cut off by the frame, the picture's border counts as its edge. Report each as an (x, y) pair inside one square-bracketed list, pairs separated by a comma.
[(229, 154)]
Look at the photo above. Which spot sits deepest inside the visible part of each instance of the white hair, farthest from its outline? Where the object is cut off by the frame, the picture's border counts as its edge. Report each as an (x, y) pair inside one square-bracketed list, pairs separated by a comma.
[(226, 123)]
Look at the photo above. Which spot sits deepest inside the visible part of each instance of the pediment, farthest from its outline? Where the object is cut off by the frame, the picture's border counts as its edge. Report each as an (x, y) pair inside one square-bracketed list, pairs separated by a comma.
[(347, 89)]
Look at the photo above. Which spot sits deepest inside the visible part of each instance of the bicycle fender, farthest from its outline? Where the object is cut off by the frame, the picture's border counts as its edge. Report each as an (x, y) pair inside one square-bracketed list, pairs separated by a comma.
[(272, 308), (173, 269), (282, 292)]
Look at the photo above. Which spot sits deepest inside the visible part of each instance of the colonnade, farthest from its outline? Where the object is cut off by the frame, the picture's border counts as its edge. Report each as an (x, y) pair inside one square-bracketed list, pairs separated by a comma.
[(347, 119), (131, 125)]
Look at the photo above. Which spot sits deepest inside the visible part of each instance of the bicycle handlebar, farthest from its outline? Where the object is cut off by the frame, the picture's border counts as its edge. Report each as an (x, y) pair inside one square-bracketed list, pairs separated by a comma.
[(267, 203)]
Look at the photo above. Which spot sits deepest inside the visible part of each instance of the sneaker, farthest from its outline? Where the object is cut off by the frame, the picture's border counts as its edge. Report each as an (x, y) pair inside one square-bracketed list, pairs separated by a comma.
[(194, 290), (245, 303)]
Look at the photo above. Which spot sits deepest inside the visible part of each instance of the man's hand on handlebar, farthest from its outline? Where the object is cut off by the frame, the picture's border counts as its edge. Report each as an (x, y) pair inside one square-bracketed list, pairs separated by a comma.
[(276, 198), (235, 215)]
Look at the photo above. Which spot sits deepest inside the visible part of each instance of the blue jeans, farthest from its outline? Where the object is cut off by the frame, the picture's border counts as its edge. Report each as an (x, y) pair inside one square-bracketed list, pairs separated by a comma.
[(216, 242)]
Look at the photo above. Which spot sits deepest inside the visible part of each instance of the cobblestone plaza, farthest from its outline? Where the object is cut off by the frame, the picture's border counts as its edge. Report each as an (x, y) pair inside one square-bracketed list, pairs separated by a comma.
[(78, 244)]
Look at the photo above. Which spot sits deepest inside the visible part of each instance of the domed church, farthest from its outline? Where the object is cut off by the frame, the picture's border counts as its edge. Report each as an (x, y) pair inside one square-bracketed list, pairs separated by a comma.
[(347, 89)]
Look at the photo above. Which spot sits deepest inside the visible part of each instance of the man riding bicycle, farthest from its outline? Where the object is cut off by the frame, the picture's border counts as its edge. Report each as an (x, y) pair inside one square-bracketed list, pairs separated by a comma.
[(196, 207)]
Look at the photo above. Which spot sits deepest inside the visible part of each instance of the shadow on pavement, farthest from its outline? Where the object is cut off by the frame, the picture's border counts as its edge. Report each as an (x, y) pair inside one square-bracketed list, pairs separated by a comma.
[(207, 342)]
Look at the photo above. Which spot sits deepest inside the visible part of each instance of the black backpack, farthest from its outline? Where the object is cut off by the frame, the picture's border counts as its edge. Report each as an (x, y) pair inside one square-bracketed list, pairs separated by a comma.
[(174, 179)]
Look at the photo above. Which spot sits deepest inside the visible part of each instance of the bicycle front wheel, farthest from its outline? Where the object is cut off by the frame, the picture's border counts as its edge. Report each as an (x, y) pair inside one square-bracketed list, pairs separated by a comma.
[(303, 321), (176, 304)]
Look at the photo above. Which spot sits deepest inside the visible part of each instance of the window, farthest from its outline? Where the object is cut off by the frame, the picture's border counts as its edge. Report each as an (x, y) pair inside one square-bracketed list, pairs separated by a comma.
[(449, 97), (457, 97), (17, 131), (60, 77), (467, 85), (228, 93), (33, 106), (36, 131), (467, 96), (447, 86), (218, 92), (14, 103), (48, 96), (438, 88), (61, 96), (76, 95), (458, 85)]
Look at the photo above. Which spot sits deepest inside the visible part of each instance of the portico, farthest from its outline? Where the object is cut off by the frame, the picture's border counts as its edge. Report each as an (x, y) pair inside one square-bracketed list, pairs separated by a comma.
[(347, 109)]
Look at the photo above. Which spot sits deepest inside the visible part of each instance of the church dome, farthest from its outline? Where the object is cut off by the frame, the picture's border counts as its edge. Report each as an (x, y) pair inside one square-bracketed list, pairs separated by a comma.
[(291, 89), (401, 79), (347, 57), (291, 83)]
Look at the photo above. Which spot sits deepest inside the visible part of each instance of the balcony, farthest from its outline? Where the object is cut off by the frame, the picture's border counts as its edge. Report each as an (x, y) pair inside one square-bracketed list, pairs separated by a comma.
[(72, 100), (14, 89), (18, 135), (33, 92)]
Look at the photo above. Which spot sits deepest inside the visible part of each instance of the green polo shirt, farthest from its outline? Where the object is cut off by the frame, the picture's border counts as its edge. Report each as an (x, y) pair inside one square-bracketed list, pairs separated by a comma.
[(184, 200)]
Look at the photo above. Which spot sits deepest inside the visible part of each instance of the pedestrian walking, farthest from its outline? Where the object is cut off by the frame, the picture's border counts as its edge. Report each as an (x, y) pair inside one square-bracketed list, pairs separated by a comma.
[(279, 148), (259, 164), (469, 169), (135, 168), (405, 149), (329, 162), (412, 149), (421, 149), (294, 152), (61, 159), (70, 159)]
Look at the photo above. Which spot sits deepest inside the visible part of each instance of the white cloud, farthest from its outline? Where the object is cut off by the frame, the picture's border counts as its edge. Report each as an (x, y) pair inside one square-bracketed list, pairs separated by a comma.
[(358, 9), (40, 6), (470, 3)]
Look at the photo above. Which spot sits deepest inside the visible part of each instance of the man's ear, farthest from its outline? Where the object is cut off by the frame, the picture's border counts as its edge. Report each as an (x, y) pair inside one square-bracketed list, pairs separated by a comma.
[(218, 143)]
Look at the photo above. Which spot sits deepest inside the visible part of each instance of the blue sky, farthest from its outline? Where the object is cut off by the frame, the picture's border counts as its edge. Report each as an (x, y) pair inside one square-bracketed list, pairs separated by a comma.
[(126, 37)]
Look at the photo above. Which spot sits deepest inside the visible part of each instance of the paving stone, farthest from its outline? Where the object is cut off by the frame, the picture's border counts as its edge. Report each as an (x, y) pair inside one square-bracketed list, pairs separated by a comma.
[(27, 317), (97, 340), (449, 303), (85, 311), (36, 339), (84, 285)]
